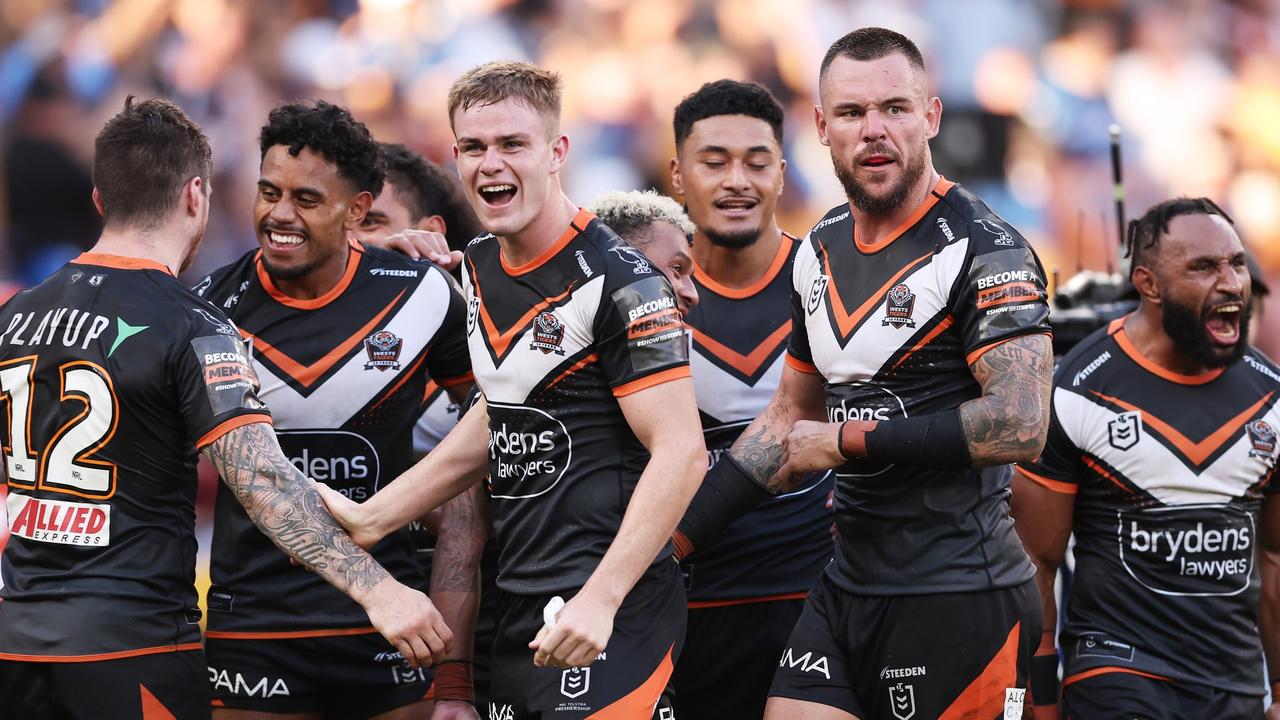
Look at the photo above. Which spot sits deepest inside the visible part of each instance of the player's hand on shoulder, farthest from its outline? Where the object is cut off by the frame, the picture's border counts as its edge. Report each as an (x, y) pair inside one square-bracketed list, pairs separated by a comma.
[(409, 621), (581, 632), (454, 710), (421, 245), (808, 447), (349, 514)]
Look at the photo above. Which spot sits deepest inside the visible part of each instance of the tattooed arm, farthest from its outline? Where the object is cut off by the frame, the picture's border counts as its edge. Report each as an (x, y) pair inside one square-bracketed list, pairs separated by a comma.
[(1010, 422), (286, 508), (455, 584), (762, 448)]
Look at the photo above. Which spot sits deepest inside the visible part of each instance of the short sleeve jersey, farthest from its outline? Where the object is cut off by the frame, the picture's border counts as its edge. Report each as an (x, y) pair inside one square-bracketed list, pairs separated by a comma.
[(554, 343), (739, 343), (348, 376), (113, 374), (893, 331), (1168, 473)]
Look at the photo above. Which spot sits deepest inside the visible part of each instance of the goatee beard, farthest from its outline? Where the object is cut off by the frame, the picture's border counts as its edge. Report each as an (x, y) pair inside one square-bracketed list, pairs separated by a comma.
[(888, 204), (1187, 328), (733, 240)]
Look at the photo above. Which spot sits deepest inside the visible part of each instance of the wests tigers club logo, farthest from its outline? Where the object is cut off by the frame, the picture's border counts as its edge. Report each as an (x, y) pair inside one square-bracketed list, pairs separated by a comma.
[(899, 303), (548, 332), (383, 348), (1263, 438)]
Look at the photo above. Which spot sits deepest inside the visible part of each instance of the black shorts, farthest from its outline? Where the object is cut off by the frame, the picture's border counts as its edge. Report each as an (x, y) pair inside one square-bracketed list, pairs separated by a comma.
[(730, 655), (885, 657), (338, 676), (1126, 696), (626, 681), (171, 684)]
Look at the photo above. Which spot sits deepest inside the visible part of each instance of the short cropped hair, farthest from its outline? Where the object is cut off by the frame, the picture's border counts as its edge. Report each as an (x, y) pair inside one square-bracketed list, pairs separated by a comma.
[(494, 82), (728, 97), (1142, 241), (872, 43), (142, 159), (426, 189), (628, 213), (332, 132)]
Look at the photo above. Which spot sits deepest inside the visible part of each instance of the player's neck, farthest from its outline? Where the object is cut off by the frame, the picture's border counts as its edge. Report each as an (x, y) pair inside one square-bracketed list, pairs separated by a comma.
[(740, 267), (535, 238), (1146, 332), (319, 281), (145, 244), (875, 229)]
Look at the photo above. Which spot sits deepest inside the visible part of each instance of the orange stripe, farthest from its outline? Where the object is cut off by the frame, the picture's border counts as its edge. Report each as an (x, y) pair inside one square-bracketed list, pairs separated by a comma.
[(458, 380), (844, 320), (639, 703), (973, 356), (429, 391), (404, 378), (771, 272), (940, 189), (152, 708), (309, 374), (746, 364), (947, 322), (120, 262), (1104, 474), (502, 340), (1071, 679), (102, 656), (353, 261), (1126, 344), (574, 368), (799, 365), (1197, 453), (290, 635), (577, 225), (984, 698), (648, 381), (1057, 486), (227, 426), (703, 604)]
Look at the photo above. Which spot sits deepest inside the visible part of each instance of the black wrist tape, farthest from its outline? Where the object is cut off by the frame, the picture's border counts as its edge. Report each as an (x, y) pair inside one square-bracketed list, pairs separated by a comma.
[(726, 494), (935, 440), (1044, 679)]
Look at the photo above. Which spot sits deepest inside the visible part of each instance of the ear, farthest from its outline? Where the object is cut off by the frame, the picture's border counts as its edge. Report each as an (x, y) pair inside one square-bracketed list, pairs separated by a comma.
[(97, 203), (933, 115), (360, 205), (559, 152), (1147, 284), (431, 223), (821, 121), (455, 155), (782, 181), (677, 182), (193, 193)]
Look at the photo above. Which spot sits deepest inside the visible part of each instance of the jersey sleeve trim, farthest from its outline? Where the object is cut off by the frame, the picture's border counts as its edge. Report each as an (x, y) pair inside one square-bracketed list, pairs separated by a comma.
[(227, 426), (785, 243), (120, 262), (1065, 488), (353, 262), (973, 356), (1071, 679), (287, 635), (102, 656), (799, 365), (458, 380), (648, 381)]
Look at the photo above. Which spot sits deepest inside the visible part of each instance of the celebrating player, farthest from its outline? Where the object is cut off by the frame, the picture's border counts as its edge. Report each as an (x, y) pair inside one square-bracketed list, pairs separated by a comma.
[(114, 375), (729, 168), (918, 316), (345, 342), (1161, 451), (588, 426)]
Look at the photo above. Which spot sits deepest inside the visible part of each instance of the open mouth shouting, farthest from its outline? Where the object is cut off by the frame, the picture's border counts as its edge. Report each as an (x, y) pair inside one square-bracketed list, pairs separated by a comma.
[(1223, 322), (497, 195)]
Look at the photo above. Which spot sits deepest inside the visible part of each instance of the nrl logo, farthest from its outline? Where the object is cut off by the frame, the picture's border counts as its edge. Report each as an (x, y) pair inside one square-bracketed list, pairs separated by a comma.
[(816, 291), (902, 701), (548, 332), (575, 682), (473, 310), (1125, 431), (383, 348), (899, 303), (1263, 438)]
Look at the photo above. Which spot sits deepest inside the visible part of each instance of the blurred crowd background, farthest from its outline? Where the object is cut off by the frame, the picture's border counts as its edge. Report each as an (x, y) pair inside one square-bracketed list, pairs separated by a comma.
[(1029, 89)]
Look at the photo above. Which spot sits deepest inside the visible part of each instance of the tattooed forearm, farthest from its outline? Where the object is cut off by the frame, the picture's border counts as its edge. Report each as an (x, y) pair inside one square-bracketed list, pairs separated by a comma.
[(759, 448), (1010, 422), (284, 505), (464, 523)]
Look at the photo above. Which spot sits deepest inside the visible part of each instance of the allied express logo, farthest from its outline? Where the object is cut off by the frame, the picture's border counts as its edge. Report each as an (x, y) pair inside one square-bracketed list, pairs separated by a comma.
[(383, 348), (899, 304), (548, 333)]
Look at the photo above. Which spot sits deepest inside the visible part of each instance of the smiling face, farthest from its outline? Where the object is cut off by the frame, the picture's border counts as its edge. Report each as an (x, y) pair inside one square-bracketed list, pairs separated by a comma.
[(303, 212), (508, 156), (877, 119), (668, 248), (730, 171)]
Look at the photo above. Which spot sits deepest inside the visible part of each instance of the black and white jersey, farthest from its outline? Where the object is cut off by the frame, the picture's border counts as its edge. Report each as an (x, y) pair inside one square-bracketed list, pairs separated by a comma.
[(554, 343), (739, 343), (894, 330), (348, 375), (1169, 473), (113, 374)]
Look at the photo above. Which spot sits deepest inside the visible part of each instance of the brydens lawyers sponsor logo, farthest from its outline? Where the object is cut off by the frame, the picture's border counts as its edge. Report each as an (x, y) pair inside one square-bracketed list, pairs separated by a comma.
[(343, 460), (1195, 550), (59, 521), (529, 451)]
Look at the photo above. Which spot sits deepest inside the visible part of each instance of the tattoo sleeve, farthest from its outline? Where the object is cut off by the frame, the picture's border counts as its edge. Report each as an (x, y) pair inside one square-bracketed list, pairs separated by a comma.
[(287, 509), (759, 449), (1010, 422), (455, 566)]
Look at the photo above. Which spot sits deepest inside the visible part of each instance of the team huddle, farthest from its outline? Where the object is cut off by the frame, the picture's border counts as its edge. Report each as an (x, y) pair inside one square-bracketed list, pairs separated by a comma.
[(634, 459)]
